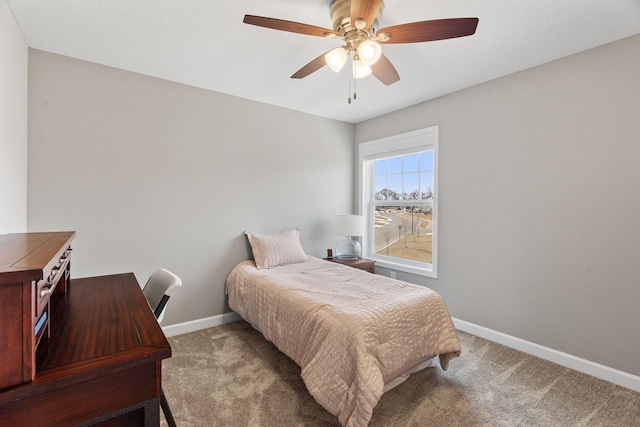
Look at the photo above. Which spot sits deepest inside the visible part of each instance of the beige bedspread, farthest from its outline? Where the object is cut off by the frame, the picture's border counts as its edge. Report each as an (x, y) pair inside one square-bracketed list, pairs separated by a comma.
[(350, 331)]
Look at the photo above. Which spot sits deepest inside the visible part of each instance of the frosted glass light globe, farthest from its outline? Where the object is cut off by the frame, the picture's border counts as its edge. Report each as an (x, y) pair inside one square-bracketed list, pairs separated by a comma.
[(336, 58), (360, 69), (369, 51)]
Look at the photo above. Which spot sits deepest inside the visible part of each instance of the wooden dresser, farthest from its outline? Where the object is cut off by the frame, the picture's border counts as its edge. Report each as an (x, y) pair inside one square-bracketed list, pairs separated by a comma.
[(75, 352)]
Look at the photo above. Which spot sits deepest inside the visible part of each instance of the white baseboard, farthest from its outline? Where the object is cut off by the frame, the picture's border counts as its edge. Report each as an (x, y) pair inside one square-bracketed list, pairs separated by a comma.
[(196, 325), (606, 373)]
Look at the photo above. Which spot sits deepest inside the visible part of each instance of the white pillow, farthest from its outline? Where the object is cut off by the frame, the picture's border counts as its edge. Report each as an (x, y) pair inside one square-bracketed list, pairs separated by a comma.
[(272, 250)]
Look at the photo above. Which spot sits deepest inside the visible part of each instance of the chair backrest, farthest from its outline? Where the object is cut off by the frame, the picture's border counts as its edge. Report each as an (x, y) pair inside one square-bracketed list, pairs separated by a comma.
[(160, 286)]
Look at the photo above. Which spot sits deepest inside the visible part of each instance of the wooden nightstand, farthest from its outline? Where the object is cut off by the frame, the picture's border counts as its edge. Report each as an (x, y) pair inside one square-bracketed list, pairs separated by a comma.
[(360, 263)]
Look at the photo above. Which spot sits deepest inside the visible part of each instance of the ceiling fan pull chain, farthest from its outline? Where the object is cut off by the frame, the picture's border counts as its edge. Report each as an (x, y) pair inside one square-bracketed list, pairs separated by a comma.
[(355, 82), (349, 78)]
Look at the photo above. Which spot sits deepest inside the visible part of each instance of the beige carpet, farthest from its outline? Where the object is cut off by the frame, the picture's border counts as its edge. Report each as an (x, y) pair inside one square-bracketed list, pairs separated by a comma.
[(231, 376)]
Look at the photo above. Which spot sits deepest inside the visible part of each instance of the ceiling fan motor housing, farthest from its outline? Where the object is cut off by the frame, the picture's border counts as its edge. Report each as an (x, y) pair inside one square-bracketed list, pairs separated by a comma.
[(341, 18)]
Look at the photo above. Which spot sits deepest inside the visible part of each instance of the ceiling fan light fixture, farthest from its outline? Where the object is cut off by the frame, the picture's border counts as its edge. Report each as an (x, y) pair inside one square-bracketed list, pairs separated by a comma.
[(369, 51), (360, 69), (336, 58)]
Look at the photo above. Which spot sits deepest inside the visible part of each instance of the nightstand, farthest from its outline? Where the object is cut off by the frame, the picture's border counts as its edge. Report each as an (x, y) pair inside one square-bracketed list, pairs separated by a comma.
[(360, 263)]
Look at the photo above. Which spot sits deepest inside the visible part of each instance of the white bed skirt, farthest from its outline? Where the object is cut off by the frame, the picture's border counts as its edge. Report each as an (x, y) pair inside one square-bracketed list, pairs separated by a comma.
[(431, 363)]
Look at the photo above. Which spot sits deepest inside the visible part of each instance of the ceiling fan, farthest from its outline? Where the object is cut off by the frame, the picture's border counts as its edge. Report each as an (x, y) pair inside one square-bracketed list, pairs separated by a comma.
[(353, 22)]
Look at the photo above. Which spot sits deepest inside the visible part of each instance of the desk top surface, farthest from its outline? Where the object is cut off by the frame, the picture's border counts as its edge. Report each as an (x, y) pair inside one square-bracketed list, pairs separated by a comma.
[(103, 317)]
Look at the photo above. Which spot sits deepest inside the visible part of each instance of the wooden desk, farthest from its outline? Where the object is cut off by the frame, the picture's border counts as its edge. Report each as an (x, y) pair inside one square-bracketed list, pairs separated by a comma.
[(102, 363)]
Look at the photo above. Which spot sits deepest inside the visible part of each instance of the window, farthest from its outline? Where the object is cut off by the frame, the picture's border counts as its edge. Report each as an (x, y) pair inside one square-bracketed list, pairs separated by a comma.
[(398, 197)]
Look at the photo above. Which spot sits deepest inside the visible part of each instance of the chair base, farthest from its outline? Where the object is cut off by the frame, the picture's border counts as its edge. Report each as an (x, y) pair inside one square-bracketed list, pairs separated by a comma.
[(167, 411)]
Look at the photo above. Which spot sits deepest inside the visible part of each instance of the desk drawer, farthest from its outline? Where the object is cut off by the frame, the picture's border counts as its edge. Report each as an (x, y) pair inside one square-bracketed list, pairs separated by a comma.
[(43, 289), (52, 277)]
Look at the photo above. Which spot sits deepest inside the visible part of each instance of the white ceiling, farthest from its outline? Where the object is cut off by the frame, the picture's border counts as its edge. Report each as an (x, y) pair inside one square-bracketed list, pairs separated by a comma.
[(204, 43)]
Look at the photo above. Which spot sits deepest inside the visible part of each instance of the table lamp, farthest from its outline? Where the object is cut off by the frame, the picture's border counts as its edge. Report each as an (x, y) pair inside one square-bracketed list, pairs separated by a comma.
[(349, 226)]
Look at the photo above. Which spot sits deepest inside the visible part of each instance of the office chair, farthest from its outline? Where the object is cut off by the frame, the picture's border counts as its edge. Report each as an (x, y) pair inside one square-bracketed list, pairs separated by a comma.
[(160, 286)]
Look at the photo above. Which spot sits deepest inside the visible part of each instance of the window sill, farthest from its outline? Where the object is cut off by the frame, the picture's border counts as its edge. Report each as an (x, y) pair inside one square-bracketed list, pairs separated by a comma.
[(418, 271)]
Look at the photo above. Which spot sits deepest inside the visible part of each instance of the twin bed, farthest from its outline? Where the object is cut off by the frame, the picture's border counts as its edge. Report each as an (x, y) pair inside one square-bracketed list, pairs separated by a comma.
[(354, 334)]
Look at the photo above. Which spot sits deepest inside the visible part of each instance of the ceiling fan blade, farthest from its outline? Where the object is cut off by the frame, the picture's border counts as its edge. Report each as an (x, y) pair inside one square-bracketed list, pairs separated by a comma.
[(365, 9), (311, 67), (426, 31), (384, 71), (290, 26)]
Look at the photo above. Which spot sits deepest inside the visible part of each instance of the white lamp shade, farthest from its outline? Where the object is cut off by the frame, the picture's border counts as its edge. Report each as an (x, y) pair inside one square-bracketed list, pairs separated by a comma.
[(336, 58), (369, 52), (348, 225), (360, 69)]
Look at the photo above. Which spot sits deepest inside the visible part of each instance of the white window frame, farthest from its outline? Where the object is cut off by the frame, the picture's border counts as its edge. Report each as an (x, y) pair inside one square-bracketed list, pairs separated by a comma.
[(406, 143)]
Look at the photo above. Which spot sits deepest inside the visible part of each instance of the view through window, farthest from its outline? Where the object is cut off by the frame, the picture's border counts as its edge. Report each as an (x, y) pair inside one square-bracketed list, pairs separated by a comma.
[(403, 206)]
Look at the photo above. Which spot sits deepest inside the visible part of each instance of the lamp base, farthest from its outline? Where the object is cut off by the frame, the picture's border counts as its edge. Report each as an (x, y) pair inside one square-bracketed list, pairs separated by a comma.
[(348, 249)]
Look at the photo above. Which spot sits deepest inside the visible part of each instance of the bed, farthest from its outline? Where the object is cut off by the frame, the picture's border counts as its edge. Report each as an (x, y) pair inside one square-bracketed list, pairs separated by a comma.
[(354, 334)]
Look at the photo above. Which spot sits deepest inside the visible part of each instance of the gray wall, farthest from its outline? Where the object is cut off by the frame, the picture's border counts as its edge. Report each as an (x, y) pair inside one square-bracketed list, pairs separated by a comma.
[(153, 174), (539, 202), (13, 124)]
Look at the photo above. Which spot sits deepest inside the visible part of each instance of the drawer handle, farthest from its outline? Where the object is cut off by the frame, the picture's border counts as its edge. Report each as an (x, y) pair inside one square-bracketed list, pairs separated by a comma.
[(46, 291)]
